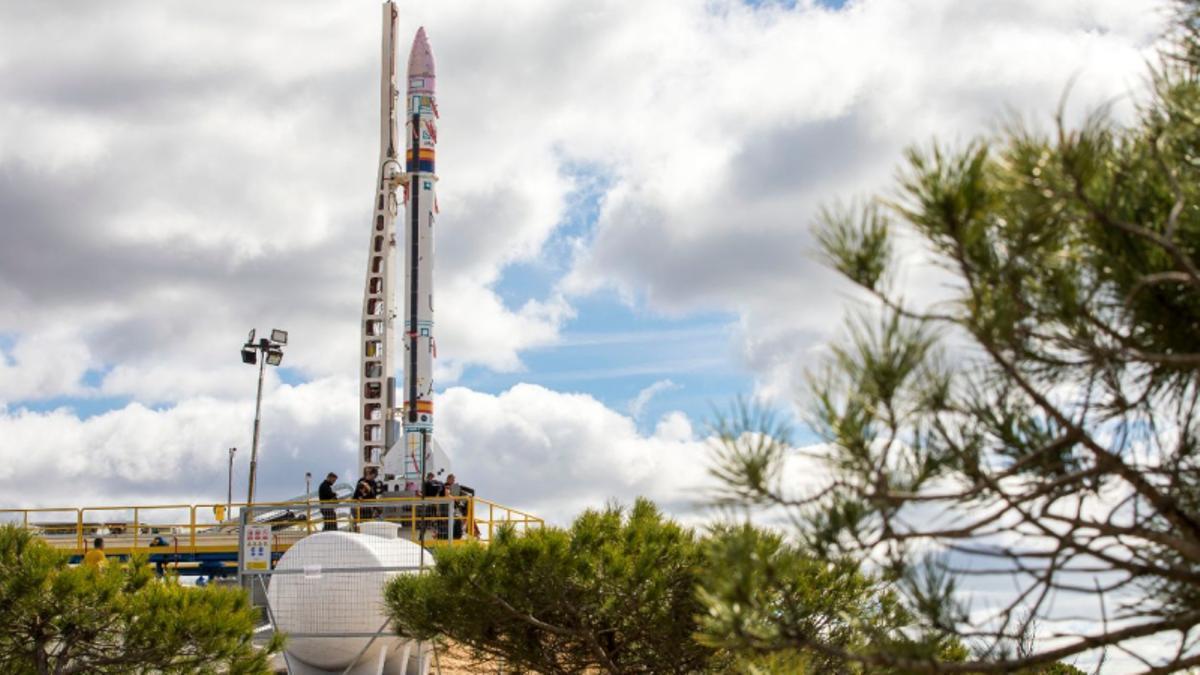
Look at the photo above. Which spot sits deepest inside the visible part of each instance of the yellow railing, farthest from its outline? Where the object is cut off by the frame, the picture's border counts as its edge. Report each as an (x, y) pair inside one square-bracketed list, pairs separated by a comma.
[(195, 528)]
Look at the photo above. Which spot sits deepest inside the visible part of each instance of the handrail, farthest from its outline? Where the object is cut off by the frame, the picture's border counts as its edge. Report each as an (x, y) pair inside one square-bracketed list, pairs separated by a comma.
[(260, 505), (296, 516)]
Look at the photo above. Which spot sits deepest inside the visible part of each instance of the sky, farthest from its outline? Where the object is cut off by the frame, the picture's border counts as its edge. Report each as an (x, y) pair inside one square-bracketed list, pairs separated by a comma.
[(627, 191)]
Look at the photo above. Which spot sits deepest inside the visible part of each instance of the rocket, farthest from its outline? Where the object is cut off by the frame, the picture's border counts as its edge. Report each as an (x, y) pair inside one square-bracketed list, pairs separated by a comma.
[(398, 438), (420, 201)]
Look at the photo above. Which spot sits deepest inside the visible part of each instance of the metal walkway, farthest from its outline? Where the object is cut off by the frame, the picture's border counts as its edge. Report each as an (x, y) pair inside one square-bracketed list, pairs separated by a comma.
[(203, 539)]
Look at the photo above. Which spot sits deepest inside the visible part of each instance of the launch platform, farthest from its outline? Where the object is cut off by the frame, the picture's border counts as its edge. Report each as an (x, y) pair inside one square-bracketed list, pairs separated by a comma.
[(203, 539)]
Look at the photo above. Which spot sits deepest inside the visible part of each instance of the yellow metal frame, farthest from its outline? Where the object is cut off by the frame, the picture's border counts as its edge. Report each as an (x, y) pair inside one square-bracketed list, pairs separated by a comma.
[(203, 535)]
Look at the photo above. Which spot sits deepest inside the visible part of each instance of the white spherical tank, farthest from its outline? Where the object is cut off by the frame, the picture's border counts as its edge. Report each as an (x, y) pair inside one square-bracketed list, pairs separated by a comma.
[(331, 583)]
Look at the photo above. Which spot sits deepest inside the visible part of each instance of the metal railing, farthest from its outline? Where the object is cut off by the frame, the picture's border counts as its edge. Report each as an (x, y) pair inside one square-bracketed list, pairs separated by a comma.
[(200, 528)]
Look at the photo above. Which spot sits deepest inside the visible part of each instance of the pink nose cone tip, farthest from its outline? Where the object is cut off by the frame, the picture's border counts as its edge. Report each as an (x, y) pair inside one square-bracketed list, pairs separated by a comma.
[(420, 63)]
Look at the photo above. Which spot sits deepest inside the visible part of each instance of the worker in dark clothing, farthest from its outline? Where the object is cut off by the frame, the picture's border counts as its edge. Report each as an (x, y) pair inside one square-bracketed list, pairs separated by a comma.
[(364, 490), (459, 508), (326, 494), (433, 514), (432, 486)]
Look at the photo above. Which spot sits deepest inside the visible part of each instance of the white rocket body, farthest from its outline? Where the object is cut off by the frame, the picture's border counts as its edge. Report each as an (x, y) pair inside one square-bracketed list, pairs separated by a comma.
[(420, 202)]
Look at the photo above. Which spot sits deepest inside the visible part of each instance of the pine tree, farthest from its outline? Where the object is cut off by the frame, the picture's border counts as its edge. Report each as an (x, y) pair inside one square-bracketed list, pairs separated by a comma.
[(1037, 424)]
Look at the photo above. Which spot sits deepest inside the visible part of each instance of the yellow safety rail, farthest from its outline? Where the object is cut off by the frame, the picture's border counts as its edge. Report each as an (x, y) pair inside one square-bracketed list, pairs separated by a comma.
[(195, 528)]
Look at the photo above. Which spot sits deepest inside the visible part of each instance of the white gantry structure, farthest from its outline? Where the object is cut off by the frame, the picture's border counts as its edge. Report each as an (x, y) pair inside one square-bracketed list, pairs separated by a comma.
[(396, 434)]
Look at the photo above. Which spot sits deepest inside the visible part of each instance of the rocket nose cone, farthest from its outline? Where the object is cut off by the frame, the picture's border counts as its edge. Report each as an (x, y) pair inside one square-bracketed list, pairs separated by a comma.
[(420, 59)]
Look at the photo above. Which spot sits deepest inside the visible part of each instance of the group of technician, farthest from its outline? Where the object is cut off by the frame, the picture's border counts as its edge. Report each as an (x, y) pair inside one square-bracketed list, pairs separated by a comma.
[(369, 487)]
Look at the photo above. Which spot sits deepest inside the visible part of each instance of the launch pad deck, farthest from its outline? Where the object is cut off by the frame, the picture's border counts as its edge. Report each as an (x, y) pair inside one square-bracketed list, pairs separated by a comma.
[(197, 539)]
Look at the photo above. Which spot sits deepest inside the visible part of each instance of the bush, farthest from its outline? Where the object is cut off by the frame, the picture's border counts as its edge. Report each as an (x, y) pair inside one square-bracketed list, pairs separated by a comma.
[(117, 618), (615, 593)]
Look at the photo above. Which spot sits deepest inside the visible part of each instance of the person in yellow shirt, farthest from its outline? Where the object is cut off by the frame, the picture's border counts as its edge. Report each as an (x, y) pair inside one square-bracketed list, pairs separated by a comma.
[(95, 557)]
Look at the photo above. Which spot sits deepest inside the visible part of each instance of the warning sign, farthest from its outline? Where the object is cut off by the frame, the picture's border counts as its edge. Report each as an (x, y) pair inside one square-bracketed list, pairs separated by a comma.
[(257, 547)]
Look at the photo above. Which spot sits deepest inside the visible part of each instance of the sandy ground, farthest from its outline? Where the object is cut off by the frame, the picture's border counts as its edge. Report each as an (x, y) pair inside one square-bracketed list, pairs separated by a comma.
[(453, 659), (456, 661)]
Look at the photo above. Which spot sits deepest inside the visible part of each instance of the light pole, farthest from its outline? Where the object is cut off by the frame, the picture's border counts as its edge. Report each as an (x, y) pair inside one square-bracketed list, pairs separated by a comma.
[(272, 354), (229, 496), (308, 498)]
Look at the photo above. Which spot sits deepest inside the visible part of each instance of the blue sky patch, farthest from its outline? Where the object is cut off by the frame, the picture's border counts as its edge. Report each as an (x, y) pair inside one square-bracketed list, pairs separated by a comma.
[(791, 4), (7, 342), (537, 278), (291, 376), (613, 352), (83, 407)]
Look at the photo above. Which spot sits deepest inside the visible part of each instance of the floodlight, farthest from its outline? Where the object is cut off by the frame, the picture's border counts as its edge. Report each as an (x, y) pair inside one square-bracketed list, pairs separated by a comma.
[(249, 356), (279, 336), (250, 338), (274, 357)]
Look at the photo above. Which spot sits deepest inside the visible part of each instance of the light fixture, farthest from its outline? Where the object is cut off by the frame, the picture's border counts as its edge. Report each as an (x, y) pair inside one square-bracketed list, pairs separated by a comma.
[(249, 355), (274, 357), (279, 336)]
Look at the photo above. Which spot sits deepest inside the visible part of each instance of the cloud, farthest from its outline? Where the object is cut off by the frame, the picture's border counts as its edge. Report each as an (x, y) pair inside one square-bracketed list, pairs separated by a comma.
[(639, 402), (730, 152), (549, 453), (144, 455), (557, 453), (169, 183), (43, 364)]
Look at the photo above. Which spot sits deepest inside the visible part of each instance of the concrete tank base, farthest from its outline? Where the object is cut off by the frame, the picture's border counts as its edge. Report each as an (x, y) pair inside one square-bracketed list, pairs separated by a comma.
[(394, 659)]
